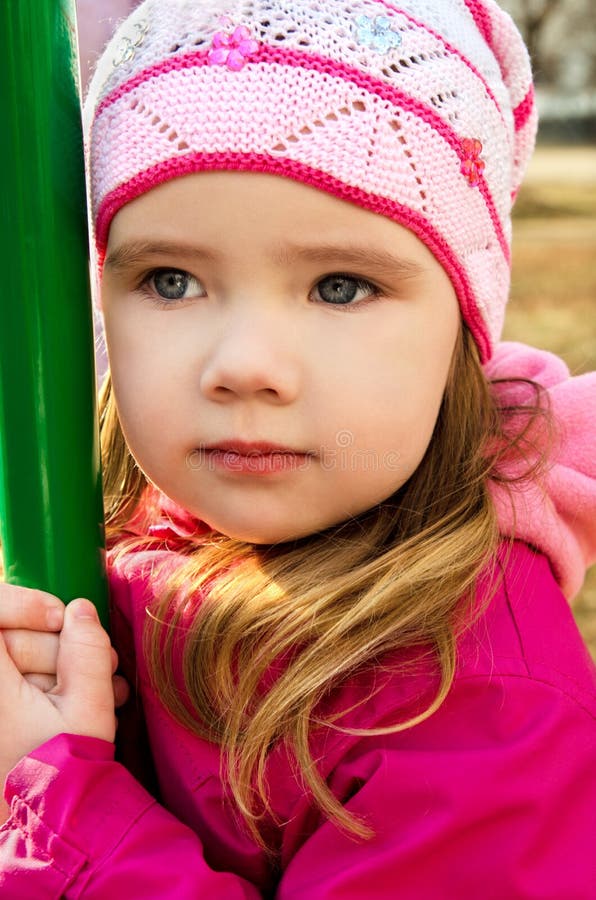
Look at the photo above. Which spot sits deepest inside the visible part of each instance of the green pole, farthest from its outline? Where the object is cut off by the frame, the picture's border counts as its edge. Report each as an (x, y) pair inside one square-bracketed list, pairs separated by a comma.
[(51, 513)]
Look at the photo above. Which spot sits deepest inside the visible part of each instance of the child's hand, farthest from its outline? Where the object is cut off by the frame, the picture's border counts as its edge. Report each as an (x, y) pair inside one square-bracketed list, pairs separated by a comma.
[(82, 701), (29, 622)]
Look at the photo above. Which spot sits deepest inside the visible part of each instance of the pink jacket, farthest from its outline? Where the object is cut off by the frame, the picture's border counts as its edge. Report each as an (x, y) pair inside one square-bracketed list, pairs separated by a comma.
[(493, 796)]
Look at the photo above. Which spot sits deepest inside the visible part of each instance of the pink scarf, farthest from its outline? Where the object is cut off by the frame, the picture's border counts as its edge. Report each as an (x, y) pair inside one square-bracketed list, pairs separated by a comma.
[(557, 513)]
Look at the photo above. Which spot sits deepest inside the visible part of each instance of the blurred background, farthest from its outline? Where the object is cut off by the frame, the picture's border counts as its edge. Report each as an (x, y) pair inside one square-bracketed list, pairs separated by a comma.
[(553, 296), (553, 300)]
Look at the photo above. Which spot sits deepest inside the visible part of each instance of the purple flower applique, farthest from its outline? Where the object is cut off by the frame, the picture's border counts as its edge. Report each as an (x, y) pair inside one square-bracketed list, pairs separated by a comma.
[(472, 165), (232, 49)]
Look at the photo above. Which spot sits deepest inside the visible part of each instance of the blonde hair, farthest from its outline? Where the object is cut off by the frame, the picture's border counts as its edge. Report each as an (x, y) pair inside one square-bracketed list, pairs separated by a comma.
[(401, 575)]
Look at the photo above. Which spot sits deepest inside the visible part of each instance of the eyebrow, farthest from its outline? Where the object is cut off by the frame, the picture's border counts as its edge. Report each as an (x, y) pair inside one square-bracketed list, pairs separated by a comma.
[(133, 253)]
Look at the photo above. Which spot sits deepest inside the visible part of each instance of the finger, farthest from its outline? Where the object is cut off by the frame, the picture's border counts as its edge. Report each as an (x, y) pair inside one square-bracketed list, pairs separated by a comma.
[(22, 607), (32, 651), (10, 677), (35, 651), (85, 673), (121, 690), (45, 683)]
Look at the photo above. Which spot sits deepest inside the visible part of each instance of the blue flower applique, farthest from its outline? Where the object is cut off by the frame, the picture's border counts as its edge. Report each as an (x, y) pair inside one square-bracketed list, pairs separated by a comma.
[(377, 33)]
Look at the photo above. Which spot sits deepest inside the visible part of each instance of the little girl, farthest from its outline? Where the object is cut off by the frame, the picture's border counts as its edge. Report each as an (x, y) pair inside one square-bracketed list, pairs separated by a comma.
[(342, 518)]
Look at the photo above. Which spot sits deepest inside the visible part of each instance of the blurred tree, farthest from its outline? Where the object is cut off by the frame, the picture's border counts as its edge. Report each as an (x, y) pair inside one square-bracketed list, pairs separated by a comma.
[(561, 38), (532, 16)]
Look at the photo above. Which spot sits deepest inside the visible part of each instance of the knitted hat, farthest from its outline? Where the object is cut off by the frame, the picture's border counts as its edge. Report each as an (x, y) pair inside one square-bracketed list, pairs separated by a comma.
[(419, 110)]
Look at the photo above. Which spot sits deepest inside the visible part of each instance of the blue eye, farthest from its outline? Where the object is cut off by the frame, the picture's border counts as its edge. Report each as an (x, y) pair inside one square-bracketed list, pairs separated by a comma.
[(342, 290), (173, 284), (167, 287)]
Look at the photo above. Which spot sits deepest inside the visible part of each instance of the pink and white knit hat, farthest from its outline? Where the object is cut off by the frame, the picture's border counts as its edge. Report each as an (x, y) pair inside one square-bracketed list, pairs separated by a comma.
[(419, 110)]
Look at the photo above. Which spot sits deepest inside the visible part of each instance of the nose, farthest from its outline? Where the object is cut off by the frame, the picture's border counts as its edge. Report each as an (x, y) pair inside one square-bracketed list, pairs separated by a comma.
[(252, 356)]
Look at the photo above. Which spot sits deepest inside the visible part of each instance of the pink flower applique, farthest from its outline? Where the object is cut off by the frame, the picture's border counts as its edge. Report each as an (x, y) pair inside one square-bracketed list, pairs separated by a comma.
[(472, 165), (232, 50)]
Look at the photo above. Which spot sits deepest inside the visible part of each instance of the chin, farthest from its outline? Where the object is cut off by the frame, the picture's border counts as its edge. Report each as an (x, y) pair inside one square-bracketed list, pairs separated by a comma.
[(264, 538), (261, 535)]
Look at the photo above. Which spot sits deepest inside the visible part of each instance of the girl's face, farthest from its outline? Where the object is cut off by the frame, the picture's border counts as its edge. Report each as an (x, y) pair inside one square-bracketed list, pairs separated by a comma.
[(244, 307)]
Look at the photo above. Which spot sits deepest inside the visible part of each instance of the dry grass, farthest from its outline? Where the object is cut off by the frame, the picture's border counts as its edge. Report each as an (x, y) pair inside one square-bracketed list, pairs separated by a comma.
[(553, 298)]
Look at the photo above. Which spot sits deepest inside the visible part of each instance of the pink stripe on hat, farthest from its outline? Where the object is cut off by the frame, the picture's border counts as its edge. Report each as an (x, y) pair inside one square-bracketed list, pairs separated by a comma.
[(253, 131), (192, 163), (482, 19), (423, 113), (525, 110)]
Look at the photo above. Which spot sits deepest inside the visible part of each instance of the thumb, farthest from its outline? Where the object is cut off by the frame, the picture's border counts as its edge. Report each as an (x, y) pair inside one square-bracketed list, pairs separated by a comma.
[(84, 673)]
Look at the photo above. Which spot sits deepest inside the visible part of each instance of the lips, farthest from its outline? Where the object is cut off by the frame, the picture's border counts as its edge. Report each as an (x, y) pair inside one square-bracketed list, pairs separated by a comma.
[(255, 448), (253, 459)]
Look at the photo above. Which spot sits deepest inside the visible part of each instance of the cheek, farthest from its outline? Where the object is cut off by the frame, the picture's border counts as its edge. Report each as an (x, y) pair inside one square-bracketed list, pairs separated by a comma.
[(136, 357), (139, 394), (402, 383), (399, 396)]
